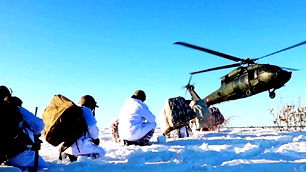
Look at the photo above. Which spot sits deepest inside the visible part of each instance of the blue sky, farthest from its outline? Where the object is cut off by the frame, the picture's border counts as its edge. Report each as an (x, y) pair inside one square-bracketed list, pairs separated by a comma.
[(110, 48)]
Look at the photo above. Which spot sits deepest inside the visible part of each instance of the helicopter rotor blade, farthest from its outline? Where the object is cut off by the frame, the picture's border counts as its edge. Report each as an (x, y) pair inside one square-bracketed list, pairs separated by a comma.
[(189, 80), (293, 46), (210, 51), (188, 84), (216, 68), (291, 69)]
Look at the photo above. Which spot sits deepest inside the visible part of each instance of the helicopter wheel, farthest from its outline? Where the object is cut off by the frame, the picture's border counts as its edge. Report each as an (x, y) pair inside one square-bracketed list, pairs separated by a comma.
[(272, 94), (248, 92)]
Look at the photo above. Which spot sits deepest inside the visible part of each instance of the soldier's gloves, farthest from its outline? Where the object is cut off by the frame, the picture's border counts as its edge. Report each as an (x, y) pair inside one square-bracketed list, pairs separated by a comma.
[(96, 141)]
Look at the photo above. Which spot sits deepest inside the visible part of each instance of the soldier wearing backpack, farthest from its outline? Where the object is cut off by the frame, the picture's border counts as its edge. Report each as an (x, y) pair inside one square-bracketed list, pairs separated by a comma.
[(88, 144), (18, 127)]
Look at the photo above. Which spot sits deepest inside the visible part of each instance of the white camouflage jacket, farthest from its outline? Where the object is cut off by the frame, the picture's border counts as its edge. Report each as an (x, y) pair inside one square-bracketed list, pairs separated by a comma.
[(135, 120)]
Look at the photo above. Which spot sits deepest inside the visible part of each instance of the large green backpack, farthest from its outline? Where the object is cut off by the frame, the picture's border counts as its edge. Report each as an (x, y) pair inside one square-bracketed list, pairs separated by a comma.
[(64, 122), (13, 139)]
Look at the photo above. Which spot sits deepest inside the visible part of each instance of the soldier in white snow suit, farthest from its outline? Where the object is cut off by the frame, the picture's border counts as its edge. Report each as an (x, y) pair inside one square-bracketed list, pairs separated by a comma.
[(30, 125), (136, 122), (88, 144)]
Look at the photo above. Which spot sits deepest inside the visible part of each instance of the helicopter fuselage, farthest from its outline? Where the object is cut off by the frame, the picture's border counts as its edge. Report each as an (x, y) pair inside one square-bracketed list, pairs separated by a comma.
[(247, 81)]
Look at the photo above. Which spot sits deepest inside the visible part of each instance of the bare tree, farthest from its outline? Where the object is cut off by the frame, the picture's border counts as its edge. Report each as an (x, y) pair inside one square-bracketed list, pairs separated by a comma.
[(290, 116)]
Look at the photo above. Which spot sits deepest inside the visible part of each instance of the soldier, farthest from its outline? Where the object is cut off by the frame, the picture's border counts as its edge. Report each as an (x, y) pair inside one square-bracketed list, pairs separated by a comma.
[(19, 126), (88, 144), (136, 122)]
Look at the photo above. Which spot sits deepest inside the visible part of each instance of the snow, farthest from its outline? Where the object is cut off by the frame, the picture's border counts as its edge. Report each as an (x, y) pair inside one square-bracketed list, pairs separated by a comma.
[(228, 150)]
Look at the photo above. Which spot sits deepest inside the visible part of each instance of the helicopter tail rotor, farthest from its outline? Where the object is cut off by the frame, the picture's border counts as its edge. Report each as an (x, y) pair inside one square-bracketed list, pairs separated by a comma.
[(189, 80), (188, 86)]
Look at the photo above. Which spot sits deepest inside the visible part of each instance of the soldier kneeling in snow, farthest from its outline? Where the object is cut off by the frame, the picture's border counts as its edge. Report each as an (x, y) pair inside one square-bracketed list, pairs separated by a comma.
[(88, 144), (136, 122), (18, 127)]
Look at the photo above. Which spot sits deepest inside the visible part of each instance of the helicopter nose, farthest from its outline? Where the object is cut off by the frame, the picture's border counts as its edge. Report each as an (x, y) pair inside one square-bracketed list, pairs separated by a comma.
[(285, 76)]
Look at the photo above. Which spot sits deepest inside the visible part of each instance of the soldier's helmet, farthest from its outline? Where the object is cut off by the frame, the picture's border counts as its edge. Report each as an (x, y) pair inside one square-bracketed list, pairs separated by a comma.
[(88, 101)]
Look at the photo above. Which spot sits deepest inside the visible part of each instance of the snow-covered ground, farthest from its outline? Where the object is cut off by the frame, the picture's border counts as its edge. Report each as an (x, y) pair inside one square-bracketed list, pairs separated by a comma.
[(247, 149)]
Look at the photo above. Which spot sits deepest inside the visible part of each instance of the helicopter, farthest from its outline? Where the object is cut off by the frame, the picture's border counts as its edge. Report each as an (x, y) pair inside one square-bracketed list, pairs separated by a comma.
[(248, 79)]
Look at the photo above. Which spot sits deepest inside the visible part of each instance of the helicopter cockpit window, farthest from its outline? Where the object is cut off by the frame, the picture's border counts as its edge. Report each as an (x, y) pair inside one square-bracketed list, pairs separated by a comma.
[(251, 74)]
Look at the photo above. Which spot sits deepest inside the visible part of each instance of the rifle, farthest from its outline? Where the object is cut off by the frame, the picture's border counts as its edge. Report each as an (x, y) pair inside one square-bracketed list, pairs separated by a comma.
[(37, 147)]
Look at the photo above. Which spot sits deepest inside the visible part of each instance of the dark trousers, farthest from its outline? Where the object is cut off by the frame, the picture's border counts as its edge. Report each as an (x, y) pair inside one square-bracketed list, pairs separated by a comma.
[(143, 141)]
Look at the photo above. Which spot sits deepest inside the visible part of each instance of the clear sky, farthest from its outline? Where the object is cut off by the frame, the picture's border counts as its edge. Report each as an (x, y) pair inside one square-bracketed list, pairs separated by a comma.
[(110, 48)]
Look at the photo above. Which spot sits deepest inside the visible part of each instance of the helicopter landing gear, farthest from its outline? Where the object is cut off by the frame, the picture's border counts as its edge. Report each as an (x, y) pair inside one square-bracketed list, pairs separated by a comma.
[(272, 94)]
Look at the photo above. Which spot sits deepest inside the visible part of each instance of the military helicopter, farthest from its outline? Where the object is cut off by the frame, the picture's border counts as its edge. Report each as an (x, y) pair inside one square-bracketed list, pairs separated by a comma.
[(248, 79)]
